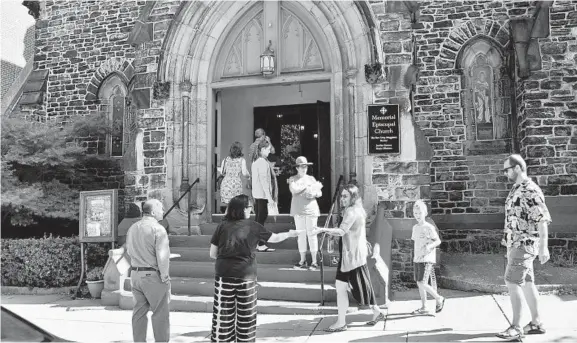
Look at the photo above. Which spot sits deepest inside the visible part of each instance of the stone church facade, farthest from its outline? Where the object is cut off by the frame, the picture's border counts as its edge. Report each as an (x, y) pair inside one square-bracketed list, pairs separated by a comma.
[(474, 81)]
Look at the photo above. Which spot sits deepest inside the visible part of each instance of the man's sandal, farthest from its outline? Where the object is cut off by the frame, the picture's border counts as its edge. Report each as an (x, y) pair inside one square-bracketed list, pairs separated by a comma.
[(440, 306), (512, 333)]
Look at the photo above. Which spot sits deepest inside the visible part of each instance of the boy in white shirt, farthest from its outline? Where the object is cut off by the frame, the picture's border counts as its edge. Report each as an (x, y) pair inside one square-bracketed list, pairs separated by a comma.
[(426, 240)]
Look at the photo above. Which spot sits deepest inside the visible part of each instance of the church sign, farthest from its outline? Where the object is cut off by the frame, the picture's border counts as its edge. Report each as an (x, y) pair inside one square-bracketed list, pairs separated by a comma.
[(98, 216), (384, 133)]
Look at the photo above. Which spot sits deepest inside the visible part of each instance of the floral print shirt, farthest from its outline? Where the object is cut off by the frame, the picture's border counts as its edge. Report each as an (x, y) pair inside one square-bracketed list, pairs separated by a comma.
[(524, 209)]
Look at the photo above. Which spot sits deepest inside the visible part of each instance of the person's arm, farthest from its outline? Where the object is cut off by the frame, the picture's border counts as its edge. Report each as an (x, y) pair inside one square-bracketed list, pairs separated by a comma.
[(162, 252), (539, 214), (213, 251), (243, 168), (279, 237), (433, 237), (345, 227), (262, 169), (296, 188), (543, 227)]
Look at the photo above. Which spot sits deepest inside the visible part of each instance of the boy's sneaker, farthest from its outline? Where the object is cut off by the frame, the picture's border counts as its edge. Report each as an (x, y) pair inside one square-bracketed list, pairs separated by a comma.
[(512, 333), (301, 265), (314, 266), (534, 329)]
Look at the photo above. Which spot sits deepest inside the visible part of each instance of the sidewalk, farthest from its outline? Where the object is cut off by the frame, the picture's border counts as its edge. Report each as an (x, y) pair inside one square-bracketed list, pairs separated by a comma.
[(485, 273), (467, 317)]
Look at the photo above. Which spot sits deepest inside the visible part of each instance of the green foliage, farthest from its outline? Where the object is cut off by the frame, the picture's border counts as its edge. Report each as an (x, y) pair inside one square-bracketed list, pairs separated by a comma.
[(95, 274), (44, 165), (46, 262), (564, 257)]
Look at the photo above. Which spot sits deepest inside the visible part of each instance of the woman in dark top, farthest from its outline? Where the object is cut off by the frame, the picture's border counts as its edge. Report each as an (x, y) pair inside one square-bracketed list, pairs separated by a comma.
[(233, 245)]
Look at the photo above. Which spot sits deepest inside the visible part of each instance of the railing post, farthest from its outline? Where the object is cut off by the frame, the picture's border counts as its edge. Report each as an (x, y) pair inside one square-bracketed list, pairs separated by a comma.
[(188, 210)]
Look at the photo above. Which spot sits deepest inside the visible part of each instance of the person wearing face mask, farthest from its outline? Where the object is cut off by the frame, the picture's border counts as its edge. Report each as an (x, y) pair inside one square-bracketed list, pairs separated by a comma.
[(352, 270), (234, 245), (305, 210)]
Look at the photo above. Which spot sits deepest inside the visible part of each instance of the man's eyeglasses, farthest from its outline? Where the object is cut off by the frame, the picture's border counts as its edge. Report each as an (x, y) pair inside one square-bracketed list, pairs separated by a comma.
[(506, 169)]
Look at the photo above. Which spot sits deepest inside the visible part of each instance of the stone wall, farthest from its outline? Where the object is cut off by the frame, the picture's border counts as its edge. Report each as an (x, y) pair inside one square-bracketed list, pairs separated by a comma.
[(463, 183), (548, 107)]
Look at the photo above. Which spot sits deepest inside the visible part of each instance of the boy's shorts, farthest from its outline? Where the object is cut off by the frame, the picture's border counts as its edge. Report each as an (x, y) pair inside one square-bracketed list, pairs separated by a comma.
[(423, 271), (520, 265)]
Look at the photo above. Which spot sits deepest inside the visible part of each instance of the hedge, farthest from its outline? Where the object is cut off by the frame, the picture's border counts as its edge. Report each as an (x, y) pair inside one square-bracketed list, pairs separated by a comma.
[(47, 262)]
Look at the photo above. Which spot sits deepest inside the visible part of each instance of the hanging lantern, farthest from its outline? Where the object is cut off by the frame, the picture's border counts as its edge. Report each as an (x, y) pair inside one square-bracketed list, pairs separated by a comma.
[(267, 61)]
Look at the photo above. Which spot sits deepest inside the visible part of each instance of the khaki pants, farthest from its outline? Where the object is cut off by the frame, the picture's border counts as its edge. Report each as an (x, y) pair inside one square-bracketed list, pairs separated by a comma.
[(150, 293)]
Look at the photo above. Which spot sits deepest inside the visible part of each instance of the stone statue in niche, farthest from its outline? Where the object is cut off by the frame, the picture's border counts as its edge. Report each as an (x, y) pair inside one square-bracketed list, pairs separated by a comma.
[(482, 98)]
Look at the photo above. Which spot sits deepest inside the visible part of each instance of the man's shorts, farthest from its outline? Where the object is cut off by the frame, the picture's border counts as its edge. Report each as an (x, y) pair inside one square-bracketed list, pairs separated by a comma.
[(520, 265), (423, 271)]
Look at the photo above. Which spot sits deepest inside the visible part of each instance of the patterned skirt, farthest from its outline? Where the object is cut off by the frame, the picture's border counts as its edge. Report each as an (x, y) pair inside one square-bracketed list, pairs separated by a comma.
[(234, 310)]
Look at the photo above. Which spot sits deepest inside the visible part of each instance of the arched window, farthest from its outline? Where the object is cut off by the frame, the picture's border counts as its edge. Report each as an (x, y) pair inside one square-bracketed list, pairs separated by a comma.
[(112, 95), (486, 96)]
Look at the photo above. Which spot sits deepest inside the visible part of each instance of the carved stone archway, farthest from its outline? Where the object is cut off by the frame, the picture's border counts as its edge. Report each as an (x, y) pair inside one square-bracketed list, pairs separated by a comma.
[(189, 57)]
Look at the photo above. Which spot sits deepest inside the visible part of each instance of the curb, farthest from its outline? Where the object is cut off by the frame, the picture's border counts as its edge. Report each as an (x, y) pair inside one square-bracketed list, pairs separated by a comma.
[(14, 290), (461, 285)]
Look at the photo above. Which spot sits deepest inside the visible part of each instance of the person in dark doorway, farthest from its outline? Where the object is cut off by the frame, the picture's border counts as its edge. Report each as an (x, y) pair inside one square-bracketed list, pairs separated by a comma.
[(526, 237), (260, 135), (263, 188), (352, 270), (233, 169), (305, 190), (233, 245), (148, 248)]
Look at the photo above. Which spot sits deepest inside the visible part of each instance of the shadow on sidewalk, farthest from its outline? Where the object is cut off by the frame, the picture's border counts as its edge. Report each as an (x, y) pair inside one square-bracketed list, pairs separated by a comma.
[(435, 335)]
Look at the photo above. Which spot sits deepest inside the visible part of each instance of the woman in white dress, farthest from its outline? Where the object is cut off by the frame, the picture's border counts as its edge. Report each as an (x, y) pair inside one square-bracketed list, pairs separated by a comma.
[(233, 169)]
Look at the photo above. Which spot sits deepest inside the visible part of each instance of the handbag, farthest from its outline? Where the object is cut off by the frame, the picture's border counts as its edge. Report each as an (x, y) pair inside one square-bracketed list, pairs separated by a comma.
[(272, 209), (221, 176)]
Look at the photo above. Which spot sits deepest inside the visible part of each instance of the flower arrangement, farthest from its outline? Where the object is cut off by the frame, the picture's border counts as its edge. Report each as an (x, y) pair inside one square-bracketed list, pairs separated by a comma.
[(95, 274)]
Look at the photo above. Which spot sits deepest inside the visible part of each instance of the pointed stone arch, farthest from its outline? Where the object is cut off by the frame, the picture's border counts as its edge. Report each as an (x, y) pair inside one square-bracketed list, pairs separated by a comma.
[(121, 67), (466, 32), (191, 48)]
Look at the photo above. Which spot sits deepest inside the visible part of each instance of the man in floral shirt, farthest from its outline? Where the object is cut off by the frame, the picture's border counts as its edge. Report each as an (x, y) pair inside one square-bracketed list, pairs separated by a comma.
[(526, 236)]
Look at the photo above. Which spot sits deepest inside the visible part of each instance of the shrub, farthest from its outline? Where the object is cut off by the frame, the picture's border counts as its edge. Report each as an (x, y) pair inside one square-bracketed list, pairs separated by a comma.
[(95, 274), (46, 262)]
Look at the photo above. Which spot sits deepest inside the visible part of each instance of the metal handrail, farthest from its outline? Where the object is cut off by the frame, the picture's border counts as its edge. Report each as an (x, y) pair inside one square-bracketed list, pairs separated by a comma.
[(327, 221), (189, 202)]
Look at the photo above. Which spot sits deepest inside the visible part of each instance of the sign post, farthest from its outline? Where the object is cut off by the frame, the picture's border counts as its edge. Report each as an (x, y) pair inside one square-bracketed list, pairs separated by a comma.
[(384, 129), (98, 222)]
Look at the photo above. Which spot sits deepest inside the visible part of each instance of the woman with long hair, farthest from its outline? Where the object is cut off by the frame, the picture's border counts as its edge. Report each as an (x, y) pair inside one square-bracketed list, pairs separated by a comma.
[(233, 245), (233, 169), (352, 270)]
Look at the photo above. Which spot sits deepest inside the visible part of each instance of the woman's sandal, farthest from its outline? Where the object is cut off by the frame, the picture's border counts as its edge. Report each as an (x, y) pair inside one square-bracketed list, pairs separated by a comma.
[(339, 329), (440, 306), (420, 311), (380, 317)]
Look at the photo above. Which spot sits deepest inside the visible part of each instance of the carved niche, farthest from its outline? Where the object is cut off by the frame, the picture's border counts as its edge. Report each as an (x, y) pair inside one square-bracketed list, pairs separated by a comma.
[(243, 57), (486, 97), (299, 50)]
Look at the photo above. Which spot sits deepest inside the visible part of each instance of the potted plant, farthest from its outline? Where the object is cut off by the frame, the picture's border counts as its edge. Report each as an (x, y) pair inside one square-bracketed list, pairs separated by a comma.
[(95, 281)]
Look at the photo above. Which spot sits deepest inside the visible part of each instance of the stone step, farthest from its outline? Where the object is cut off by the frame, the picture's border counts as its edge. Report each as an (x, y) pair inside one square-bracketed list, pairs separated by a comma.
[(281, 218), (208, 229), (203, 241), (186, 303), (266, 272), (280, 256), (280, 291)]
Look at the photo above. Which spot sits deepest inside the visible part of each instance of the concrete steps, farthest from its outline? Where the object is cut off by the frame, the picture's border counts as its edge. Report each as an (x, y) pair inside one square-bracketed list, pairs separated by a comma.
[(277, 257), (187, 303), (282, 289), (267, 290)]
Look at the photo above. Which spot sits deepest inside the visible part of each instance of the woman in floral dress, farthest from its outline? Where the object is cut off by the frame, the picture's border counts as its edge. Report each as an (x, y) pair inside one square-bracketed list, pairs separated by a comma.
[(233, 169)]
